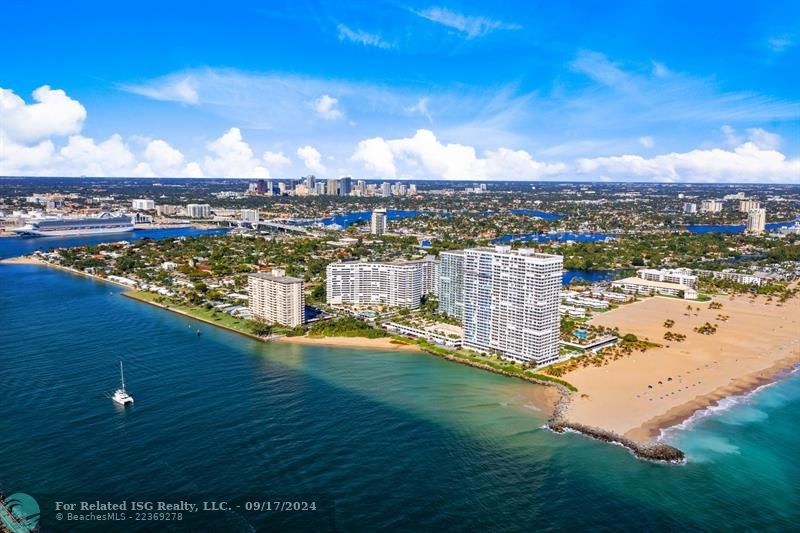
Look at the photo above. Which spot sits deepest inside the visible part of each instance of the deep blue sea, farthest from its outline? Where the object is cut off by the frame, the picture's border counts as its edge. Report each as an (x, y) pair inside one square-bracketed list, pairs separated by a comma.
[(380, 440)]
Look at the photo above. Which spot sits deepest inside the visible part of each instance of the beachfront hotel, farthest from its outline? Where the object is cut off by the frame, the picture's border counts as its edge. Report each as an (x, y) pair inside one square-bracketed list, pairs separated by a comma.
[(276, 298), (647, 287), (511, 301), (451, 283), (681, 276), (398, 284)]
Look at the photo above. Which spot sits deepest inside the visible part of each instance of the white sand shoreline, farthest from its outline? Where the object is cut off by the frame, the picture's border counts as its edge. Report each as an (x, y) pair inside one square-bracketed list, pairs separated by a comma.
[(641, 395)]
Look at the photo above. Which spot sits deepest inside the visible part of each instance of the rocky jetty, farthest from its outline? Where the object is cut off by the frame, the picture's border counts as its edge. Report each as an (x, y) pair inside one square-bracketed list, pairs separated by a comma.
[(650, 451)]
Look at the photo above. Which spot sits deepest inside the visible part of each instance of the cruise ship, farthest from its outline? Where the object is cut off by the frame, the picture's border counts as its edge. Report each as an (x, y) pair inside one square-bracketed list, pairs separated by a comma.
[(69, 227)]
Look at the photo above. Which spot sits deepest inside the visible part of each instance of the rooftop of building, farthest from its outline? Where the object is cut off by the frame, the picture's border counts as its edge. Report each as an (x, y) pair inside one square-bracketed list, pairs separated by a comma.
[(278, 279), (521, 252)]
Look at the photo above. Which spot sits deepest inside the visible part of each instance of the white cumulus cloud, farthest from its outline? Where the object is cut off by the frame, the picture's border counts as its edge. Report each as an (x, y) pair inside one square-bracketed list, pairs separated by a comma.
[(746, 162), (233, 157), (326, 107), (53, 114), (424, 156), (276, 160), (311, 158)]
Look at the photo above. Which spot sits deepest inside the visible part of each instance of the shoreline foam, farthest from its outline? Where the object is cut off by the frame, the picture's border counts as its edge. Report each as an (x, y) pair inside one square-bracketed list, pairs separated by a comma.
[(725, 404)]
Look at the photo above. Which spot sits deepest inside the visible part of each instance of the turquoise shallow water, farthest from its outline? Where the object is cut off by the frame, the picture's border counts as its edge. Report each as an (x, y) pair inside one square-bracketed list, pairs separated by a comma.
[(400, 441)]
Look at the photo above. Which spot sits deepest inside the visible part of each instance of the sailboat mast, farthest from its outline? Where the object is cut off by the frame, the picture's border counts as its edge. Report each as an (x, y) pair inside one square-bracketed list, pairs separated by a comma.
[(122, 376)]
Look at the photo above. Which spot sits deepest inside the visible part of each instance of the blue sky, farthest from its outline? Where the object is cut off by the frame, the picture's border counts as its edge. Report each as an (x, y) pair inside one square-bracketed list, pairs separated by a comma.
[(667, 91)]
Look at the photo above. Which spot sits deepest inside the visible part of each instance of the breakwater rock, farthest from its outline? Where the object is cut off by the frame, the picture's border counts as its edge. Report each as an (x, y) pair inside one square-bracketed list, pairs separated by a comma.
[(651, 451)]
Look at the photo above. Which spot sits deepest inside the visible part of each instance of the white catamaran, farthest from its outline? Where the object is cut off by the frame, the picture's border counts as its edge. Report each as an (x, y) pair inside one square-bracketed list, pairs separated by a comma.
[(121, 396)]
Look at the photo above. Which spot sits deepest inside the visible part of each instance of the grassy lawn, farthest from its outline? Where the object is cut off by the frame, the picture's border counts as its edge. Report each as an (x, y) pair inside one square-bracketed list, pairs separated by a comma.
[(209, 315)]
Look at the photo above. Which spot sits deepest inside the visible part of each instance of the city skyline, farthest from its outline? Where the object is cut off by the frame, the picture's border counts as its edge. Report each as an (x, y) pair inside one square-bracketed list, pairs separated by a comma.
[(455, 91)]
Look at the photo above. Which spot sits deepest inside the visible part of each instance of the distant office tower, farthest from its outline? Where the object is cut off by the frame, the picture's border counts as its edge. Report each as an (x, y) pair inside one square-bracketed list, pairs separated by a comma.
[(320, 187), (745, 206), (451, 283), (332, 187), (377, 225), (386, 189), (198, 210), (256, 187), (511, 303), (143, 204), (249, 215), (400, 284), (756, 220), (310, 181), (276, 298), (412, 189), (689, 208), (711, 206), (345, 186), (361, 187)]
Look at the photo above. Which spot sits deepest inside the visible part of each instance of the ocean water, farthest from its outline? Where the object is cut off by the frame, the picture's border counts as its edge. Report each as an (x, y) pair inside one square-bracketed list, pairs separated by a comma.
[(391, 440)]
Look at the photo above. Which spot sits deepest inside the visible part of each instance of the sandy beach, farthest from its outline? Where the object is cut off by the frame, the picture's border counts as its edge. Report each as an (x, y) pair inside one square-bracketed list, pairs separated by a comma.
[(638, 395), (24, 260), (383, 343)]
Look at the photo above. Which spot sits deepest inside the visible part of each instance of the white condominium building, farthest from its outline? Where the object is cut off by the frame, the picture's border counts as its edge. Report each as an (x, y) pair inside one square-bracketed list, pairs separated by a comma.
[(400, 284), (249, 215), (198, 210), (744, 278), (511, 301), (276, 298), (377, 225), (430, 268), (142, 204), (681, 276), (745, 206), (711, 206), (647, 287), (756, 220), (451, 283)]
